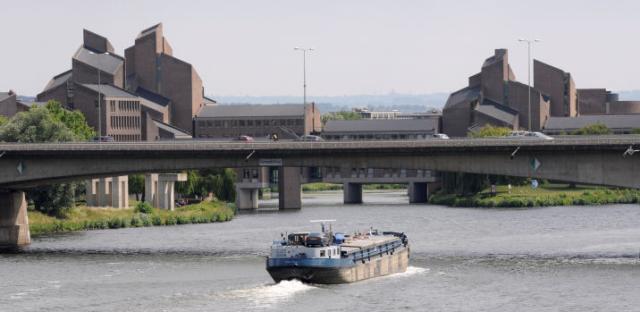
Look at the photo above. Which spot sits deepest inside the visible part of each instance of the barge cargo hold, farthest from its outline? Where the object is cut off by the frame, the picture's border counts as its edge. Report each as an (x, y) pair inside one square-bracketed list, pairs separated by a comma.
[(333, 258)]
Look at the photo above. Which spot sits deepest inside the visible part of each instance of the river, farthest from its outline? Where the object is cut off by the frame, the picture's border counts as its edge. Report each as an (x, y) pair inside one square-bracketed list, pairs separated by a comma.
[(583, 258)]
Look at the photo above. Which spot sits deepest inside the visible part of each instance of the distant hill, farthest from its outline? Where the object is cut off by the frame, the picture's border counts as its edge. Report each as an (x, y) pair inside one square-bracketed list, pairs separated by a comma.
[(386, 102), (630, 95)]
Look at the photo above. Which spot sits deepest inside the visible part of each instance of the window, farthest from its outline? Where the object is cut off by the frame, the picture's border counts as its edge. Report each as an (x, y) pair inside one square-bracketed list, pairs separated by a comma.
[(322, 253), (259, 123), (250, 123), (241, 123), (217, 123), (209, 123), (200, 123)]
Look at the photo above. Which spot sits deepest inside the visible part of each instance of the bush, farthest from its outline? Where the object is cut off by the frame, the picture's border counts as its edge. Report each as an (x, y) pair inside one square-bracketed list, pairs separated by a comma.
[(143, 207)]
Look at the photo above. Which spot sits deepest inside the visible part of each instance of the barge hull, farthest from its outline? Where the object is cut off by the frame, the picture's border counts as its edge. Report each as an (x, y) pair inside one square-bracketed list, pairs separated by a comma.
[(376, 266)]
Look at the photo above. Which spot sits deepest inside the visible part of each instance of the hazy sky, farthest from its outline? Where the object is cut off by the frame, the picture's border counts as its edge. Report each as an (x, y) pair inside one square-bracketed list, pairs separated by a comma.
[(363, 47)]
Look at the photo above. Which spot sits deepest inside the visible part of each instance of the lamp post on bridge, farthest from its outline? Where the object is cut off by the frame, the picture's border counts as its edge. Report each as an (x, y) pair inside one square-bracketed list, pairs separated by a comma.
[(304, 70), (529, 42)]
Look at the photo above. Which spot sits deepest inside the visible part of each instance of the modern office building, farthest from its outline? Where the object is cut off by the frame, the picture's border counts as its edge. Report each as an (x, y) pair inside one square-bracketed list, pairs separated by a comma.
[(8, 104), (380, 129), (618, 124), (97, 80), (230, 121), (600, 101), (493, 96)]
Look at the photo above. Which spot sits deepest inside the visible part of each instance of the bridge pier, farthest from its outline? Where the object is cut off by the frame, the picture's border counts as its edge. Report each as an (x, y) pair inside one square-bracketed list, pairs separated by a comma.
[(247, 198), (418, 192), (14, 222), (159, 189), (352, 193), (289, 183)]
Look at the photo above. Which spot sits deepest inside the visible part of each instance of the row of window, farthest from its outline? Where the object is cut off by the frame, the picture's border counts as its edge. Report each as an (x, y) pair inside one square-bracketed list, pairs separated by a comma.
[(124, 106), (125, 122), (376, 137), (125, 137), (249, 123)]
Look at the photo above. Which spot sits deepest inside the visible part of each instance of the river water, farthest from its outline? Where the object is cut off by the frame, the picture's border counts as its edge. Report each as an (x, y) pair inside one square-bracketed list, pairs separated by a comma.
[(542, 259)]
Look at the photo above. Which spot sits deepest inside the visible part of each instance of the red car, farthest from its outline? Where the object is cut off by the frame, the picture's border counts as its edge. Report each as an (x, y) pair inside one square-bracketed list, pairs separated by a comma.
[(245, 138)]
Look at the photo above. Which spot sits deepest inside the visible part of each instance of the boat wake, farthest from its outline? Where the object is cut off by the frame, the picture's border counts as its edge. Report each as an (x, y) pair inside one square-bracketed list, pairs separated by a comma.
[(268, 295), (411, 270)]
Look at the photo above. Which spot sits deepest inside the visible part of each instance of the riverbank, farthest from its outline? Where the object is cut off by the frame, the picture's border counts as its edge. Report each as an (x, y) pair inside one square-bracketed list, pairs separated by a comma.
[(321, 186), (545, 195), (85, 218)]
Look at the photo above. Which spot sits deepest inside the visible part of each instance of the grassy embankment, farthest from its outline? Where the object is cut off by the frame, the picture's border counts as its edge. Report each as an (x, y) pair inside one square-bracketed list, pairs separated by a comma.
[(545, 195), (84, 218), (320, 186)]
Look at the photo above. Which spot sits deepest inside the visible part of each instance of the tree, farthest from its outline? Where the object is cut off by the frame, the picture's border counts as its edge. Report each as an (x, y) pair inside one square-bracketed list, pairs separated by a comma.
[(490, 131), (190, 187), (74, 120), (3, 120), (136, 185), (593, 129), (633, 131), (342, 115), (39, 125)]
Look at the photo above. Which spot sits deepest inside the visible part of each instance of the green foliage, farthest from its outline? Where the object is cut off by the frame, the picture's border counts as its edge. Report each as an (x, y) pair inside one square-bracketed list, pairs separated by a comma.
[(216, 181), (55, 200), (74, 120), (48, 124), (136, 184), (82, 218), (490, 131), (36, 126), (548, 195), (633, 131), (3, 120), (342, 115), (143, 207), (593, 129)]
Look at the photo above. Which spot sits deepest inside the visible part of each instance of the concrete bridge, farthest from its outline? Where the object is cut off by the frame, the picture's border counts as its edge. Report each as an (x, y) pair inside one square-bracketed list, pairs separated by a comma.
[(590, 160)]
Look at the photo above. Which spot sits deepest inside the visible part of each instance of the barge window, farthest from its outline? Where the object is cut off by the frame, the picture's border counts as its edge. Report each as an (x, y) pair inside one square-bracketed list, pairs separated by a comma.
[(322, 253)]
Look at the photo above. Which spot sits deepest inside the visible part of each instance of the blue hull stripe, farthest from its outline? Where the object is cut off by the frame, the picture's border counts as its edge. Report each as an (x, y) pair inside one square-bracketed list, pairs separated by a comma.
[(309, 263)]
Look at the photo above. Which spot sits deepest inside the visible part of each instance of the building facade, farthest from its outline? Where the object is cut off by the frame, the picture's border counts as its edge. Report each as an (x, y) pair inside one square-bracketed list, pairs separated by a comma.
[(231, 121), (380, 129)]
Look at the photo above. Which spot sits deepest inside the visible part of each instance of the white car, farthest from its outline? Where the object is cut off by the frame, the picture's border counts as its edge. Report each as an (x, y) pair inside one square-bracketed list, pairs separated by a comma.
[(441, 136), (529, 135)]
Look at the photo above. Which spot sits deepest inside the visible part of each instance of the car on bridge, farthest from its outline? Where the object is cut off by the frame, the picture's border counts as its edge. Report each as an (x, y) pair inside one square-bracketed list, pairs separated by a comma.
[(244, 138), (440, 136), (528, 135), (310, 138)]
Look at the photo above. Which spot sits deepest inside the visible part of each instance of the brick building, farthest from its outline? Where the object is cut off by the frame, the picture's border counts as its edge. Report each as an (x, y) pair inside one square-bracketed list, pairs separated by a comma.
[(230, 121)]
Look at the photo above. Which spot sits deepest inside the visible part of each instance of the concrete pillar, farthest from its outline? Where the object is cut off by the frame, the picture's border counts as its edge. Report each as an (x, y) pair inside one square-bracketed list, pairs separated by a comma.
[(90, 192), (352, 193), (166, 189), (289, 188), (418, 192), (247, 198), (151, 189), (103, 193), (120, 192), (14, 222)]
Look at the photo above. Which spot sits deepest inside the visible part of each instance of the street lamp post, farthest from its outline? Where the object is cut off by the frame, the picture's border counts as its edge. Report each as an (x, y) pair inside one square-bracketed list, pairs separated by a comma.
[(304, 70), (529, 42)]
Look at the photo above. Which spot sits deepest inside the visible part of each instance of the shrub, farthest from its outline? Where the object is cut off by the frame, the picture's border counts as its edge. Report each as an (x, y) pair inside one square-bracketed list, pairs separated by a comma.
[(143, 207), (156, 220)]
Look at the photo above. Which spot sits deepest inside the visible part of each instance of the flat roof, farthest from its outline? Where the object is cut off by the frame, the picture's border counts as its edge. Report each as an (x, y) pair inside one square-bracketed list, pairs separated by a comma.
[(109, 90), (611, 121), (380, 125), (178, 133), (106, 62), (58, 80), (152, 96), (251, 110)]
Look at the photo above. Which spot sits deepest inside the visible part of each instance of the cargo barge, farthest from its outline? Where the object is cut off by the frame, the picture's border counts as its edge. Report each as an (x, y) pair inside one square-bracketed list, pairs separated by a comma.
[(332, 258)]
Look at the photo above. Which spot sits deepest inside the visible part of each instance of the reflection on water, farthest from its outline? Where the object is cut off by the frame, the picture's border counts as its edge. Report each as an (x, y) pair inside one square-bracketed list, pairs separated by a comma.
[(556, 258)]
